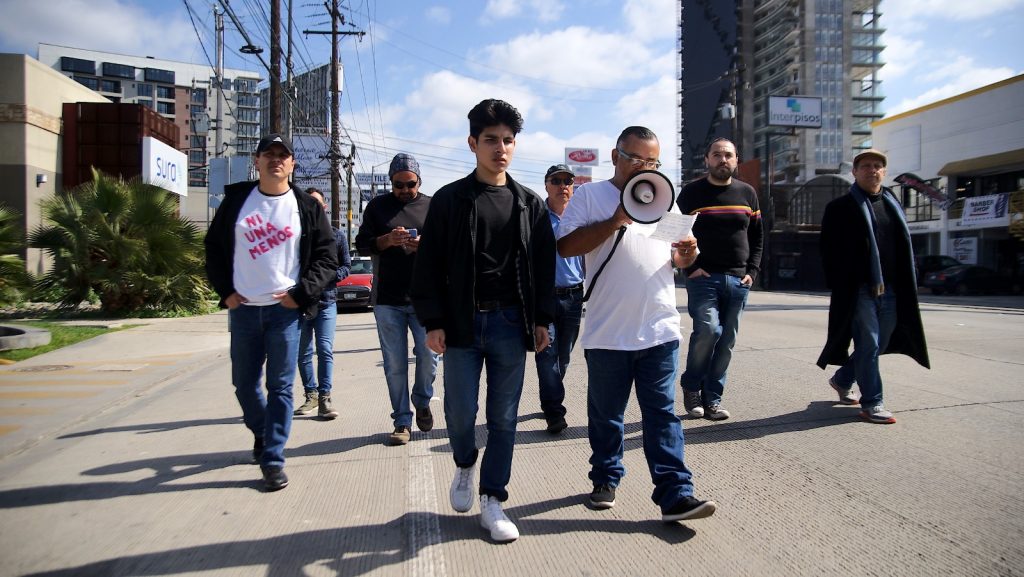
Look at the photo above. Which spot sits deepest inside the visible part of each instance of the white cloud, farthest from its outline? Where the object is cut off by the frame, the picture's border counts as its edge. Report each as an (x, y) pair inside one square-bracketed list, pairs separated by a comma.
[(575, 55), (651, 19), (959, 75), (914, 10), (543, 10), (654, 106), (901, 55), (439, 14), (107, 25)]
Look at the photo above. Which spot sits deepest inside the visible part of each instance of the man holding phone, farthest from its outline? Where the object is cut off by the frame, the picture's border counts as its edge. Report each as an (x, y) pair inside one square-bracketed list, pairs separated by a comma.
[(390, 233)]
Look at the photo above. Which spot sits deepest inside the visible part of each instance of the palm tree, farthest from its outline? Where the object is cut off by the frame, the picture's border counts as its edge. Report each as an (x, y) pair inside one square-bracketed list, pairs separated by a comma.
[(123, 242), (14, 279)]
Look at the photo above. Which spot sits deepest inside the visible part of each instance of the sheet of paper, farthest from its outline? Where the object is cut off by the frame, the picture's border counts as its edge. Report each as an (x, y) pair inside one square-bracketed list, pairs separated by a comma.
[(674, 226)]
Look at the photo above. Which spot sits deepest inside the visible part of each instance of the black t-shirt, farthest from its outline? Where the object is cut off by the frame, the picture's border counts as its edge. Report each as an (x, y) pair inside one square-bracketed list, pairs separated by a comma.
[(885, 235), (496, 241), (393, 273)]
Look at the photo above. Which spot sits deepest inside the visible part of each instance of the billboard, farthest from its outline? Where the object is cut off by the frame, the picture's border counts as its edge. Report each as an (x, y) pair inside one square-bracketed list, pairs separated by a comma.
[(581, 156), (164, 166), (797, 111)]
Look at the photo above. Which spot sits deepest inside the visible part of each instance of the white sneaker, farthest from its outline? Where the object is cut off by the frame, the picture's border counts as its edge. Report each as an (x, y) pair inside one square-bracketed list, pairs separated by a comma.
[(494, 520), (462, 492)]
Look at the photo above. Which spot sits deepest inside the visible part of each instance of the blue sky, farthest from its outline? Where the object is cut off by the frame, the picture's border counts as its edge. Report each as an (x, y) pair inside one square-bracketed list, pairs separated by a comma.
[(579, 71)]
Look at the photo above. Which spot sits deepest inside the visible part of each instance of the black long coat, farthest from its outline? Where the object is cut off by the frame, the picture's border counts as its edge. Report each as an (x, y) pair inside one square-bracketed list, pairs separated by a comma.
[(845, 253)]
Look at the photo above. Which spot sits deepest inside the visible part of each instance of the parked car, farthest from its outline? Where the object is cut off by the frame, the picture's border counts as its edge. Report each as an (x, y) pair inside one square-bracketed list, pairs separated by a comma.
[(355, 289), (965, 279), (931, 263)]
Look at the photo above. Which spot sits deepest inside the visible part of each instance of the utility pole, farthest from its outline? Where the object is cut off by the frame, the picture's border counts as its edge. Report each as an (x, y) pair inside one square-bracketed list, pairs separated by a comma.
[(335, 152), (288, 75), (275, 65), (349, 163), (218, 135)]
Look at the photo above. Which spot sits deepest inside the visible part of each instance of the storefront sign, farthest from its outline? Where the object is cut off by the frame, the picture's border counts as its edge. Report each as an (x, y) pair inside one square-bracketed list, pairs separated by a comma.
[(798, 111), (164, 166), (581, 156), (965, 250), (986, 210)]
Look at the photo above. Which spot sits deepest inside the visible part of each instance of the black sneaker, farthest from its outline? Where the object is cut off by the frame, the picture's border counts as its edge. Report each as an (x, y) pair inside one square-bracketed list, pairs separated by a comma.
[(602, 497), (257, 449), (715, 412), (693, 404), (424, 419), (274, 478), (556, 425), (689, 508)]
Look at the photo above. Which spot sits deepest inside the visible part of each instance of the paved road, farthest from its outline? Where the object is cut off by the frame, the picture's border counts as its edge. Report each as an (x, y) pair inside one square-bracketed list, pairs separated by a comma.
[(127, 457)]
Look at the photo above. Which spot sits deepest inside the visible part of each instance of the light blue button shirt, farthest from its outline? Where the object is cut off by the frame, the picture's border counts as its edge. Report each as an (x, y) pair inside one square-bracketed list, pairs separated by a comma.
[(568, 271)]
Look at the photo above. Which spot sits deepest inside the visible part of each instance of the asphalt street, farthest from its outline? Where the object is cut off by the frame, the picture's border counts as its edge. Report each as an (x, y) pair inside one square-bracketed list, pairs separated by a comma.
[(125, 455)]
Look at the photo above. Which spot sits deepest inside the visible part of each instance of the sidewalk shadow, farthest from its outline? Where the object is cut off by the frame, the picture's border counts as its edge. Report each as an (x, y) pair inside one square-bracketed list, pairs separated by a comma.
[(363, 549), (817, 414), (155, 427)]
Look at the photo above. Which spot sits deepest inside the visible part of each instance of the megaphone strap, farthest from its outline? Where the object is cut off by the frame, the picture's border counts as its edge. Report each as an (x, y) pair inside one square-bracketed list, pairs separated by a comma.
[(593, 281)]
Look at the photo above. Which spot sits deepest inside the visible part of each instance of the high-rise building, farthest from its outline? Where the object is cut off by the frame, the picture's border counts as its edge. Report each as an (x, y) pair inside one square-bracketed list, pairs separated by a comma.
[(180, 91), (735, 54)]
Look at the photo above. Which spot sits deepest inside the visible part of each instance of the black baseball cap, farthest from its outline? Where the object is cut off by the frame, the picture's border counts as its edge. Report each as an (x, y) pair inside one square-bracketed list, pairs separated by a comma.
[(559, 168), (274, 138)]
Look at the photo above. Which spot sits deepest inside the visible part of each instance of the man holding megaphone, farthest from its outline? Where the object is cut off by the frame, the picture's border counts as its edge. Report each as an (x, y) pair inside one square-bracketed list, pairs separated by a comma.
[(631, 331)]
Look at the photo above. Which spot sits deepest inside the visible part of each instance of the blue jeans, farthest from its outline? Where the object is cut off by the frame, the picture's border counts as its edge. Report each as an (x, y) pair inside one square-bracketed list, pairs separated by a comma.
[(553, 361), (323, 325), (393, 326), (498, 341), (715, 304), (268, 335), (873, 322), (611, 376)]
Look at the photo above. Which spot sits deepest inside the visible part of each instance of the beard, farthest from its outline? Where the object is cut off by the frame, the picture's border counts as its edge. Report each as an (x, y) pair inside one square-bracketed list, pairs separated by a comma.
[(722, 172)]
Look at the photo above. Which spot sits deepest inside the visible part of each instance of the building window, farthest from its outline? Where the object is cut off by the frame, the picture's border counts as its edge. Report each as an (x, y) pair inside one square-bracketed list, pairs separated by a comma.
[(87, 82), (199, 96), (197, 157), (157, 75), (145, 102), (165, 107), (144, 90), (69, 64), (118, 70), (110, 85), (165, 92)]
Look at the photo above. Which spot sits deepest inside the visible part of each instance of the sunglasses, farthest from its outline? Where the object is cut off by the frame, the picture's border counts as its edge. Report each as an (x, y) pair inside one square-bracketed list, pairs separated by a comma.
[(560, 181), (398, 185)]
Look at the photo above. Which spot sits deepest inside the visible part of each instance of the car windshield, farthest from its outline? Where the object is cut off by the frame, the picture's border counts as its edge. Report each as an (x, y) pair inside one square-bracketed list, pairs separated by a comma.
[(361, 267)]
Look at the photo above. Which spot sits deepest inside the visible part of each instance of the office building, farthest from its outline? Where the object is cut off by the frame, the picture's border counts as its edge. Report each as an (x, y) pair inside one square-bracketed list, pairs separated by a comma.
[(181, 92)]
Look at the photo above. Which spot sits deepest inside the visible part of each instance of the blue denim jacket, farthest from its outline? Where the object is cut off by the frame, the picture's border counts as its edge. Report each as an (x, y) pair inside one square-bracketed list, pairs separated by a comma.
[(330, 294)]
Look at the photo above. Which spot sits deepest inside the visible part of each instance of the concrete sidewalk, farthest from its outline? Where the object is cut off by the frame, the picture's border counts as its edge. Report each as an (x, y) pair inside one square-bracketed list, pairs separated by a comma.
[(127, 456)]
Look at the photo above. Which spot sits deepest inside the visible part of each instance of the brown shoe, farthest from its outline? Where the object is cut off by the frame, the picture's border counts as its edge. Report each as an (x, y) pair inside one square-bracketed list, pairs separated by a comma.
[(326, 411), (424, 419), (401, 436), (310, 405)]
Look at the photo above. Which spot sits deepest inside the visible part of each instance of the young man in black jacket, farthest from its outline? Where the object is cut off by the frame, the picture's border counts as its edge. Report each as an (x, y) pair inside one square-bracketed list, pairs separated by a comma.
[(270, 253), (483, 286)]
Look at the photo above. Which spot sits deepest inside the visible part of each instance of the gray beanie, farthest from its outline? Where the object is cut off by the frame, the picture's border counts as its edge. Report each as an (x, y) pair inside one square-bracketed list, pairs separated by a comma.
[(402, 162)]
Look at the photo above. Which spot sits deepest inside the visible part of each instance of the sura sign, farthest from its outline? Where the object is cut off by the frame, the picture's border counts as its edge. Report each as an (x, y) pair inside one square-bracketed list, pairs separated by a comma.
[(164, 166)]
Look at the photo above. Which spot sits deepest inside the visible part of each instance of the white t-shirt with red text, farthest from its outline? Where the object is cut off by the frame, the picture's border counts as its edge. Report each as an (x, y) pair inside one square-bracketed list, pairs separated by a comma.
[(266, 255)]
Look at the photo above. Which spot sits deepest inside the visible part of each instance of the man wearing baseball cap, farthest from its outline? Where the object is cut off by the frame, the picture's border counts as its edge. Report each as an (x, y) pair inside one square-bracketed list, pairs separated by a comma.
[(869, 266), (270, 253), (553, 361), (390, 233)]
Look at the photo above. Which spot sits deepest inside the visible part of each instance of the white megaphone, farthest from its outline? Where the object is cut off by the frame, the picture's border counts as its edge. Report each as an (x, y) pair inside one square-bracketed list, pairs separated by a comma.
[(648, 196)]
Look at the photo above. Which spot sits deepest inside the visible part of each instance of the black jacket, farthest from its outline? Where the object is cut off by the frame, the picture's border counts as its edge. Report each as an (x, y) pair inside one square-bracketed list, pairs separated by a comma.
[(318, 254), (444, 277), (845, 255)]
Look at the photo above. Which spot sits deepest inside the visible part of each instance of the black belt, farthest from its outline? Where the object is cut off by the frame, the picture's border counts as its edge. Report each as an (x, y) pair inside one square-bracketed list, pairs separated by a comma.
[(559, 290), (491, 306)]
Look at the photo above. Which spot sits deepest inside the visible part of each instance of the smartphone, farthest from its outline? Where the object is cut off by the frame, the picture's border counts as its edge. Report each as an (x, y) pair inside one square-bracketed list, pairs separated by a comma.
[(412, 232)]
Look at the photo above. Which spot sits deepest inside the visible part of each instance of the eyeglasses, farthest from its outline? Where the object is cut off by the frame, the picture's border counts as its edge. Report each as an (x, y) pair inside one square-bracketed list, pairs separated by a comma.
[(560, 181), (637, 162), (399, 185)]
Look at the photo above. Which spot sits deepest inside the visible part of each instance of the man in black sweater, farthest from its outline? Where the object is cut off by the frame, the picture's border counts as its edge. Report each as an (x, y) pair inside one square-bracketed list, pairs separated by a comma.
[(731, 239), (390, 232)]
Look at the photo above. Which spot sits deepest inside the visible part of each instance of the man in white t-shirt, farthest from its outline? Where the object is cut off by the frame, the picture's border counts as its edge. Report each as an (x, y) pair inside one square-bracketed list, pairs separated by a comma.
[(631, 331), (270, 253)]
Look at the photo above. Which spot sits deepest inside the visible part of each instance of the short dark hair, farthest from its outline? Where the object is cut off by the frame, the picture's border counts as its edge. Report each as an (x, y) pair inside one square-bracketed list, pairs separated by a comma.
[(492, 112), (640, 132), (716, 141), (313, 189)]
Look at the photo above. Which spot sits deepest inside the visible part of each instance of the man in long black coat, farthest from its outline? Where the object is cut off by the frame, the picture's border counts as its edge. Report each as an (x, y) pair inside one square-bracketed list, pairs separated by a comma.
[(869, 266)]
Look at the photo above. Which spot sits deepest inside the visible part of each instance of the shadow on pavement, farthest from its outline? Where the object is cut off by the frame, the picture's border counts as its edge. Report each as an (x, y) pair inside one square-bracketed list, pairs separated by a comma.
[(155, 427), (353, 551)]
